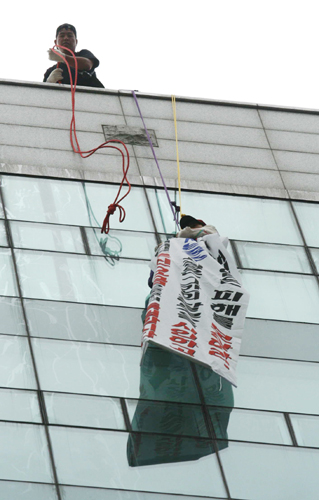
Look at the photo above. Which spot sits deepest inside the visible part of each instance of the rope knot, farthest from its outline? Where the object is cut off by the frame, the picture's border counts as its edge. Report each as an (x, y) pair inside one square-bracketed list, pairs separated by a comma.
[(110, 211), (111, 208)]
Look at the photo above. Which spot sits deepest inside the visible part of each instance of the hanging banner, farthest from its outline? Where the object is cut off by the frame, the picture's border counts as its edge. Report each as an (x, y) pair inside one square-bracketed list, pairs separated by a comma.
[(197, 306)]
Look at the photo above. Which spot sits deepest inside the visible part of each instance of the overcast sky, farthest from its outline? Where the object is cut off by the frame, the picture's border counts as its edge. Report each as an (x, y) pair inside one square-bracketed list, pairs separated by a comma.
[(247, 51)]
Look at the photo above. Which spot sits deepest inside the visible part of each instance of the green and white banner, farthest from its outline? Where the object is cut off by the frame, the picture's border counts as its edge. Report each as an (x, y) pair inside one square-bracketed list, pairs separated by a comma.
[(197, 306)]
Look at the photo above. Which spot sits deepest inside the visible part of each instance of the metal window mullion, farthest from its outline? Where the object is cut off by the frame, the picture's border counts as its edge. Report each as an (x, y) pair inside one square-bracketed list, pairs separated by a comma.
[(35, 371), (308, 253), (209, 426)]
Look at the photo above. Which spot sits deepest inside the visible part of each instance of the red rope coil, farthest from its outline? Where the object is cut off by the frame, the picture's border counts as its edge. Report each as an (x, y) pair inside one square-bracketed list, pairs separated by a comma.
[(85, 154)]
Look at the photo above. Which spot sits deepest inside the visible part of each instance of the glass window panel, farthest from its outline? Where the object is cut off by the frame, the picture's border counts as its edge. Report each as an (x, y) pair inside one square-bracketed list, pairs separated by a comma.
[(88, 322), (7, 280), (281, 339), (315, 256), (11, 316), (286, 297), (45, 200), (237, 217), (98, 458), (84, 411), (164, 376), (273, 384), (47, 237), (83, 493), (87, 368), (19, 405), (308, 215), (263, 427), (23, 453), (138, 216), (276, 472), (124, 243), (306, 429), (78, 278), (167, 418), (273, 257), (84, 322), (104, 369), (15, 363), (10, 490), (3, 235)]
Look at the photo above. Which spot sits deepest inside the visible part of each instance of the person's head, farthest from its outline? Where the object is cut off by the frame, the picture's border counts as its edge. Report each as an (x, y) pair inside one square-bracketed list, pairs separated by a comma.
[(189, 221), (66, 36)]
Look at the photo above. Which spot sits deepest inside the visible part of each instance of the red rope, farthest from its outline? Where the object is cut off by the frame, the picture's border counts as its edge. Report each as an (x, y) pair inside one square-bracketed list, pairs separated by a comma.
[(85, 154)]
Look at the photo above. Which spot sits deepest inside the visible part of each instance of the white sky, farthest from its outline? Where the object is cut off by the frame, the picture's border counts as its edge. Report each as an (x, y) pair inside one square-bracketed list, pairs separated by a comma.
[(257, 51)]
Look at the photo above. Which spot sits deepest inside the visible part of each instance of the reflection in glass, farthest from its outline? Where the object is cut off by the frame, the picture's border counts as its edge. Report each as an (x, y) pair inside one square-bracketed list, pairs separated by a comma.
[(77, 278), (276, 472), (260, 426), (168, 377), (88, 322), (274, 384), (93, 457), (87, 368), (306, 429), (308, 215), (47, 237), (83, 493), (11, 316), (84, 411), (11, 490), (281, 339), (273, 257), (45, 200), (7, 280), (134, 245), (315, 256), (138, 216), (19, 405), (23, 453), (287, 297), (15, 363), (258, 219), (3, 235)]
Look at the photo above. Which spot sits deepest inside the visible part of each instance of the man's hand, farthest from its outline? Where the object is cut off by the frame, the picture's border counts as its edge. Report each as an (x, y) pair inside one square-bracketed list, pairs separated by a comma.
[(56, 57), (55, 76)]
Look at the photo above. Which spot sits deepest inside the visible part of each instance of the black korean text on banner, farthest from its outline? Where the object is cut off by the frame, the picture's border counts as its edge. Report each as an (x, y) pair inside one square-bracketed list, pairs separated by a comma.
[(184, 335), (198, 305)]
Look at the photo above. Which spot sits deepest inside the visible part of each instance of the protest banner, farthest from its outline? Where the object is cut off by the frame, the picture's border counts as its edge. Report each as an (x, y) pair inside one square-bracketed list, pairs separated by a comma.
[(197, 306)]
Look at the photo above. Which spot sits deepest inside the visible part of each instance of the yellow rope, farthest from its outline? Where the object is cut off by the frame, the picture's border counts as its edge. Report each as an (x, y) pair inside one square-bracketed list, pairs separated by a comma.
[(177, 156)]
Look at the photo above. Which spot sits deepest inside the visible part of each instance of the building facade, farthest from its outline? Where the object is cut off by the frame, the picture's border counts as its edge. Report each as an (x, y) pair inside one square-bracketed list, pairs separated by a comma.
[(71, 298)]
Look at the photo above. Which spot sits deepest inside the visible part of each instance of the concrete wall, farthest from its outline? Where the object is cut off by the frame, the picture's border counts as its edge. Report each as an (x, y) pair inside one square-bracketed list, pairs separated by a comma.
[(223, 147)]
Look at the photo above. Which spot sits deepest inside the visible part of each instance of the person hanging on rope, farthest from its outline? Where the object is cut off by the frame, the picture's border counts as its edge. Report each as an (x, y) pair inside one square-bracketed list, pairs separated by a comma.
[(194, 228), (190, 228), (66, 36)]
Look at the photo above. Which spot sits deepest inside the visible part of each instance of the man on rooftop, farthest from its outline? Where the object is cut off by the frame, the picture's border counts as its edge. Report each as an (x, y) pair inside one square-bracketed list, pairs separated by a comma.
[(87, 62)]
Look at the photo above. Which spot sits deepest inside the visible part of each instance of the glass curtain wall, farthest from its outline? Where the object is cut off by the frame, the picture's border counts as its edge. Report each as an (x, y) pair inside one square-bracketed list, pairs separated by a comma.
[(70, 303)]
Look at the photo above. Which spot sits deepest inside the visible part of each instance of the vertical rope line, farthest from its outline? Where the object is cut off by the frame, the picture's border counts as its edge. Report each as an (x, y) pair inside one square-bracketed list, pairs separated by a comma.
[(177, 155), (155, 158)]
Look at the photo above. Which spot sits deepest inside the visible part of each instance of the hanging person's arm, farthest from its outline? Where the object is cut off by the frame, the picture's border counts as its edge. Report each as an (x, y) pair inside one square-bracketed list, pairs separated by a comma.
[(84, 64)]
